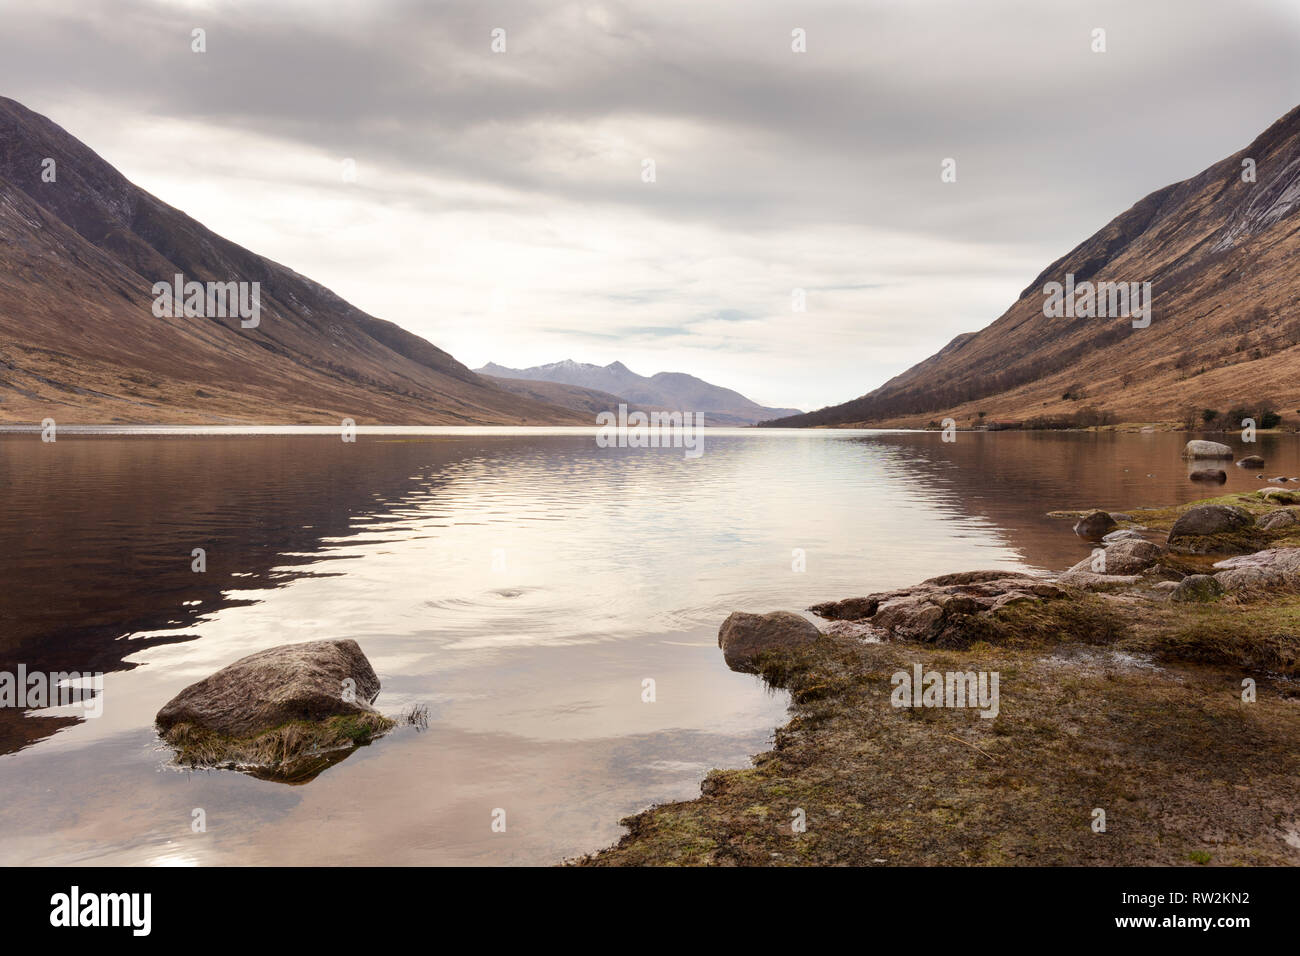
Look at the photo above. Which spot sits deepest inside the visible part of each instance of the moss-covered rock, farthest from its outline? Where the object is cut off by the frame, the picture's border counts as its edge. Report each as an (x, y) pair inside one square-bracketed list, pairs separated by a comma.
[(286, 712), (1196, 588)]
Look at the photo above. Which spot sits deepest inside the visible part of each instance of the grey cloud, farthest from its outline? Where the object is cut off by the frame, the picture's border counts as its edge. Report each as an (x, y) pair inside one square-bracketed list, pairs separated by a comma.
[(851, 132), (782, 160)]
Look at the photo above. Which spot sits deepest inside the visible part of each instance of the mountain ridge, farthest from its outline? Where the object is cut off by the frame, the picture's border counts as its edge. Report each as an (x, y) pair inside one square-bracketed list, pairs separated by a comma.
[(673, 391), (1217, 251), (79, 341)]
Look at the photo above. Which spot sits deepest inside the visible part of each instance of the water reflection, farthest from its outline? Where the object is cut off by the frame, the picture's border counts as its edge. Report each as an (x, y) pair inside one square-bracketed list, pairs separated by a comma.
[(523, 586)]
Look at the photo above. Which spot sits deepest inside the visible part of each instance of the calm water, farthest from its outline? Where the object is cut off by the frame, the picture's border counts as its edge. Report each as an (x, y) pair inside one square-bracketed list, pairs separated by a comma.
[(522, 584)]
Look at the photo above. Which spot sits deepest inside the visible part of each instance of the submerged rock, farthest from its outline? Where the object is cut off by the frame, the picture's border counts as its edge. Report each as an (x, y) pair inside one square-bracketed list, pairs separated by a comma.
[(743, 637), (1094, 524), (1198, 448), (1209, 474), (286, 712), (850, 609)]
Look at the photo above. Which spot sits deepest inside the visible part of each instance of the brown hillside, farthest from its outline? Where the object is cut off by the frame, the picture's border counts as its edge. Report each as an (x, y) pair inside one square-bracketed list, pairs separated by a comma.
[(1221, 255), (79, 342)]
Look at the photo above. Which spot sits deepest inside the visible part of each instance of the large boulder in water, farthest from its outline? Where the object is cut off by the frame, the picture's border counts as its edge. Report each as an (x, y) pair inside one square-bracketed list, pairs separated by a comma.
[(279, 712), (743, 637), (1094, 525), (849, 609), (1198, 448)]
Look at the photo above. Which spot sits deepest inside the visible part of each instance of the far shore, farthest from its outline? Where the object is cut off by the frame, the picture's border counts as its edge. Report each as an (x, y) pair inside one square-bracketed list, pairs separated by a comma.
[(1125, 427)]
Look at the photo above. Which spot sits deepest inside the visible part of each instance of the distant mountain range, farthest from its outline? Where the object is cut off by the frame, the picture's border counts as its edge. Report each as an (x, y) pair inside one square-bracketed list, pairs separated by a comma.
[(81, 249), (1222, 253), (599, 385)]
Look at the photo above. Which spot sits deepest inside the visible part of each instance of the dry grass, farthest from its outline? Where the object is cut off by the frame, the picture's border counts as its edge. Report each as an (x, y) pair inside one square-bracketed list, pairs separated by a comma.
[(295, 751)]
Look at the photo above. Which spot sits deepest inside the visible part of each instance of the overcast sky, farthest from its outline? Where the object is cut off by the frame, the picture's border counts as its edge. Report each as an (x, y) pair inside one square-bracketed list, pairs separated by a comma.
[(499, 207)]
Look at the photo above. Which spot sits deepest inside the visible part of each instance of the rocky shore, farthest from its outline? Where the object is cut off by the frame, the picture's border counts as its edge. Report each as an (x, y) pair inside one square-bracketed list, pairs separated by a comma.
[(1141, 707)]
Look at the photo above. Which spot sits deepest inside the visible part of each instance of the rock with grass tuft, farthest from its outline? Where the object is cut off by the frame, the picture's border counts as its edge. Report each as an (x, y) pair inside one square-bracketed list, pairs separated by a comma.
[(1196, 588), (1210, 519), (743, 637), (1277, 520), (286, 712)]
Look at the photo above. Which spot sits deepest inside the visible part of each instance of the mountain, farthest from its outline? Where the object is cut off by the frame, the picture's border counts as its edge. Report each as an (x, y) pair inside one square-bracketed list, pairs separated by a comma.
[(1221, 255), (589, 401), (673, 391), (79, 340)]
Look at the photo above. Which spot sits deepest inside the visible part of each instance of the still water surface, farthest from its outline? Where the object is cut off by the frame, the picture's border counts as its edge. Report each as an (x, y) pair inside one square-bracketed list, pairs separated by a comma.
[(520, 583)]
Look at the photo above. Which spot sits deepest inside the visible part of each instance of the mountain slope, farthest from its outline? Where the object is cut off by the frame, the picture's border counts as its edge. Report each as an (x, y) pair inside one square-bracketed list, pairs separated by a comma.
[(668, 390), (1221, 256), (79, 341)]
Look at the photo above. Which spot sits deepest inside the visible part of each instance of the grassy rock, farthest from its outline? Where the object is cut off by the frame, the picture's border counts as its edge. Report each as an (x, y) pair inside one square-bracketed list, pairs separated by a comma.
[(283, 713), (1211, 529), (1198, 588), (744, 638)]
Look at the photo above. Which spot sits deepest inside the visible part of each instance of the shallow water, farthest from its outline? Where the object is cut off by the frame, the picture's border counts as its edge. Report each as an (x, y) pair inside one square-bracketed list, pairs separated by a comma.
[(521, 583)]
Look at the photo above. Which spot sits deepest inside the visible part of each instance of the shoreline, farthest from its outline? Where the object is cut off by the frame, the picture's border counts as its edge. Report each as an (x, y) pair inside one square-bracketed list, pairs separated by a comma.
[(1119, 704)]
